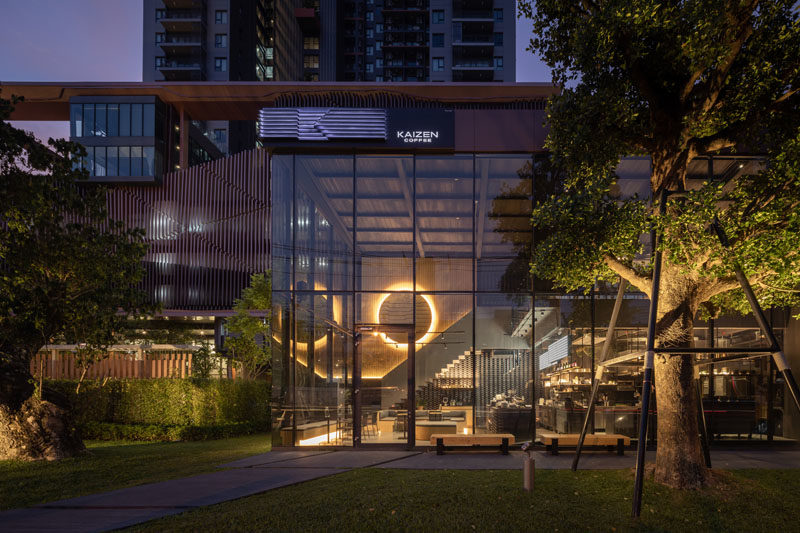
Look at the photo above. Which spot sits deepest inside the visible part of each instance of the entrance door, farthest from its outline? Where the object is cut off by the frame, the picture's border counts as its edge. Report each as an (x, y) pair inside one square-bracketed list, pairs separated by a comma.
[(383, 385)]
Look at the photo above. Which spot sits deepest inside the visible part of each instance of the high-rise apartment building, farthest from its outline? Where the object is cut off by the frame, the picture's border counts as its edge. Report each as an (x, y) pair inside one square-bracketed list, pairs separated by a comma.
[(222, 40), (325, 40)]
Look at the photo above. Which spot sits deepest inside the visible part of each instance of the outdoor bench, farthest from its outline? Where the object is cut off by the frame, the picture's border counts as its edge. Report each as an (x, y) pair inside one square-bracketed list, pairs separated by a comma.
[(452, 440), (610, 440)]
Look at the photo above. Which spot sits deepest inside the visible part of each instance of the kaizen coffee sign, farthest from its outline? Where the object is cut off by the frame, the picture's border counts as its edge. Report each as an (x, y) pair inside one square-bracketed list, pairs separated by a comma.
[(426, 128), (406, 127)]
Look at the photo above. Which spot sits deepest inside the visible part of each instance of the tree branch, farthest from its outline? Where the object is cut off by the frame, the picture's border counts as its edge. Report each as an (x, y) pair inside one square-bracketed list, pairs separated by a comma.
[(634, 278), (716, 82)]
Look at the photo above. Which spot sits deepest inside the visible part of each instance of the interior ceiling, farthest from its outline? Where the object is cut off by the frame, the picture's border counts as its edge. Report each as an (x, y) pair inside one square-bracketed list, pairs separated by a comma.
[(385, 204)]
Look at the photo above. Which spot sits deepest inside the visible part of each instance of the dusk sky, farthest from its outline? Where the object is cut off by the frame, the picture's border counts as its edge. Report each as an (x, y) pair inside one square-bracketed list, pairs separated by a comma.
[(101, 40)]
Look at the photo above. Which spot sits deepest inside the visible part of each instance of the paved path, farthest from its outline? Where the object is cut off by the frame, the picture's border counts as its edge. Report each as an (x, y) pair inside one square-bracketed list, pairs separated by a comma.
[(126, 507), (260, 473)]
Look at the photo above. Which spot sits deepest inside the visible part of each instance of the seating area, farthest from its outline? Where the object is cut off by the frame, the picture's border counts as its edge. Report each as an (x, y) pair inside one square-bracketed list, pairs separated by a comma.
[(392, 420)]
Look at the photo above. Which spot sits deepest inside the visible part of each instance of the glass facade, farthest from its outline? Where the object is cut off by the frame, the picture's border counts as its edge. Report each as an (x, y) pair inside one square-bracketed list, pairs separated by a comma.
[(404, 306)]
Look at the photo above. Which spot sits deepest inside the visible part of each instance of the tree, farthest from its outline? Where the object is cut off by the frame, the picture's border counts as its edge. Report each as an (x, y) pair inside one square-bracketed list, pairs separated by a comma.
[(675, 81), (249, 345), (68, 273)]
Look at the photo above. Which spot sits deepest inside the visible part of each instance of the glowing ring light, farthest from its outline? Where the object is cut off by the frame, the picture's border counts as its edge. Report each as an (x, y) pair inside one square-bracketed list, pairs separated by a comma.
[(434, 317)]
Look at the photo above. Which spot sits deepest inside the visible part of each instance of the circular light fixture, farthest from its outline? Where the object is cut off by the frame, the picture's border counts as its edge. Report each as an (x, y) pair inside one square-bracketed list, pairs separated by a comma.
[(390, 311)]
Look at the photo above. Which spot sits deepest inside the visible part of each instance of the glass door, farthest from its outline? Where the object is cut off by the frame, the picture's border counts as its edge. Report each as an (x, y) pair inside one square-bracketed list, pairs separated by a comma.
[(383, 385)]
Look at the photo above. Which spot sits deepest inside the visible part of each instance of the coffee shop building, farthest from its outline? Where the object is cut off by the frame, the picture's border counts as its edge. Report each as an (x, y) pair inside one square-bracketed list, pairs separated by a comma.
[(395, 221)]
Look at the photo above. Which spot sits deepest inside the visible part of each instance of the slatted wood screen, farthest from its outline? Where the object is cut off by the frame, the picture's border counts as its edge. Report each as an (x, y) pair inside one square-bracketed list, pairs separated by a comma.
[(63, 365)]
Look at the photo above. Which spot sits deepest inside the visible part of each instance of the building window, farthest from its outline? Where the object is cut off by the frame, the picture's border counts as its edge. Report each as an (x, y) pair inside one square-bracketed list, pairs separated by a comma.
[(379, 28), (437, 16), (379, 62), (498, 38), (370, 50), (438, 40), (498, 63), (311, 61), (370, 16), (438, 64), (161, 61), (270, 72), (498, 15), (221, 16), (220, 64), (378, 45), (159, 38), (160, 13), (378, 78), (220, 136), (310, 43), (221, 40), (370, 67), (370, 33)]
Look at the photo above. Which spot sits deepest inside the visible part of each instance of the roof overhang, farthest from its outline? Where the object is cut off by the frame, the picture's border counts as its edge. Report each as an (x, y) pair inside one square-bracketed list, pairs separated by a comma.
[(242, 100)]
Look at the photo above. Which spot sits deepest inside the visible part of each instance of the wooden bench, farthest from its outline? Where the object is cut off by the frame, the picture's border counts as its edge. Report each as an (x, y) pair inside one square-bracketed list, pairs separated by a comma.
[(553, 440), (443, 440)]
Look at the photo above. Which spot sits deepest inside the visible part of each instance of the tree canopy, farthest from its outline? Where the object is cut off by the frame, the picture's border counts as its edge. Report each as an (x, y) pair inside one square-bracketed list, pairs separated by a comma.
[(68, 273), (676, 81)]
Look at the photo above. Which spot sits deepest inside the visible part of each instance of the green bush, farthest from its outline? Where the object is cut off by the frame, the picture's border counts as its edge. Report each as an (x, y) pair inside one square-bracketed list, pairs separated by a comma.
[(164, 433), (167, 409)]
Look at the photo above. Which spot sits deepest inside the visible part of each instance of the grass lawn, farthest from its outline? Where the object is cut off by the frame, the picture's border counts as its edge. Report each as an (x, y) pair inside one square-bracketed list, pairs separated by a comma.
[(114, 465), (402, 500)]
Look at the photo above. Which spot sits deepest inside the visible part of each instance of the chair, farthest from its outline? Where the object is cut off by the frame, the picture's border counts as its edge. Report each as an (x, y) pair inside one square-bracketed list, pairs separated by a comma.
[(369, 424)]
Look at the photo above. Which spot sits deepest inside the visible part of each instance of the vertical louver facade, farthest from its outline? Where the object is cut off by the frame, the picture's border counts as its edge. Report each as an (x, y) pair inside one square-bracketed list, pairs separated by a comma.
[(207, 227)]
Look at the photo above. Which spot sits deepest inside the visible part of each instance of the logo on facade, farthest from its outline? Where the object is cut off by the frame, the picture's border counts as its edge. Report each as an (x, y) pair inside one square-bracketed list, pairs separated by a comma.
[(322, 123), (419, 136)]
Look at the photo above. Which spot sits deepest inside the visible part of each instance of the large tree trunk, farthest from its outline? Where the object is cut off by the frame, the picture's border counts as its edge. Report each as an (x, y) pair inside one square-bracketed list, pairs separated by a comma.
[(30, 428), (679, 459)]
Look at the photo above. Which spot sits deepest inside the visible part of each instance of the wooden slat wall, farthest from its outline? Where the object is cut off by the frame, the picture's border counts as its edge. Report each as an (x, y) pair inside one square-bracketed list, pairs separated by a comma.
[(62, 365), (207, 227)]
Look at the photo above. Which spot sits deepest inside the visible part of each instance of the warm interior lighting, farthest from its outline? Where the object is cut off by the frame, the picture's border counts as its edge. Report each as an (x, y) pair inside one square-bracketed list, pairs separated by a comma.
[(405, 287), (322, 439), (466, 431)]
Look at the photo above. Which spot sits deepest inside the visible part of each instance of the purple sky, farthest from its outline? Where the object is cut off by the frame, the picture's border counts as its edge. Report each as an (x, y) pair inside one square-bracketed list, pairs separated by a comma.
[(101, 40)]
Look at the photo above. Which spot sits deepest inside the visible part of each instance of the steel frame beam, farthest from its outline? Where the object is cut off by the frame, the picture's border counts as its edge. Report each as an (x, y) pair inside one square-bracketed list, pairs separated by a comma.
[(599, 370)]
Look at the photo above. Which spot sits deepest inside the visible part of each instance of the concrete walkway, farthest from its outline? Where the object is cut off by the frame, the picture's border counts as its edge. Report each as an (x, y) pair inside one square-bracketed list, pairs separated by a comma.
[(260, 473), (134, 505)]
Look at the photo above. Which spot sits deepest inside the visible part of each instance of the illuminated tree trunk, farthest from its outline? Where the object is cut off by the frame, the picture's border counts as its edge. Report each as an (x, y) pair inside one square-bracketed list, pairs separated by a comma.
[(679, 458), (30, 428)]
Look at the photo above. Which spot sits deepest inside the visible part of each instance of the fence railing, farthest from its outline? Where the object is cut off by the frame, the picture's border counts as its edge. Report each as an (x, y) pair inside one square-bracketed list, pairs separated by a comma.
[(56, 364)]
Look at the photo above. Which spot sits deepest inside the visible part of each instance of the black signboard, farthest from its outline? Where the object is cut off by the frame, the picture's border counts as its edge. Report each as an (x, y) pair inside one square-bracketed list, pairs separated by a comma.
[(420, 128)]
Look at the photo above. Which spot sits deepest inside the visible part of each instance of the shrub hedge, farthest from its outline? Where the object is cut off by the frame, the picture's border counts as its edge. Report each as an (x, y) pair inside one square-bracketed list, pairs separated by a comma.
[(154, 432), (167, 409)]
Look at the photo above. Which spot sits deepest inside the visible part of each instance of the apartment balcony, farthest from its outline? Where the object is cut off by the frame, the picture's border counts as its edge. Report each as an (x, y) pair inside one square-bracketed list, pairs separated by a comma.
[(308, 20), (182, 20), (477, 64), (475, 40), (177, 70), (183, 4), (473, 74), (182, 45)]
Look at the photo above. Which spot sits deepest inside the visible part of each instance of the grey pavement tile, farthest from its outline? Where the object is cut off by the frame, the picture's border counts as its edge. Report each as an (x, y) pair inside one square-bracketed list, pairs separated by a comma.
[(124, 507), (271, 457), (342, 459)]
